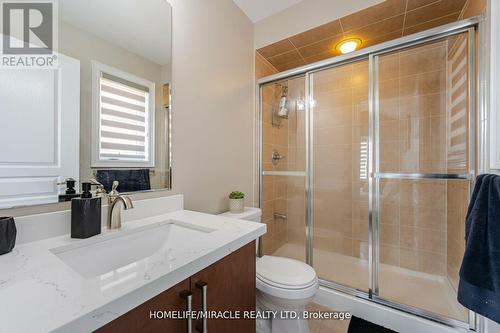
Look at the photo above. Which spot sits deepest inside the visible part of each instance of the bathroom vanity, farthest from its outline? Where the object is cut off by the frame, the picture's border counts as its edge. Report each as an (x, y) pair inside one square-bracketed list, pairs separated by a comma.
[(227, 285), (161, 257)]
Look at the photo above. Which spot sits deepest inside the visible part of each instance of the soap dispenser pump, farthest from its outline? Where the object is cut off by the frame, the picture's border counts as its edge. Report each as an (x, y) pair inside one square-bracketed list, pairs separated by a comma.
[(70, 192), (85, 214)]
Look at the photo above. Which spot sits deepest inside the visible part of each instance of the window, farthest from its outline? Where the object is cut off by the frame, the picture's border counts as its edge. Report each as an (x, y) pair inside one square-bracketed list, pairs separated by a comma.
[(123, 119)]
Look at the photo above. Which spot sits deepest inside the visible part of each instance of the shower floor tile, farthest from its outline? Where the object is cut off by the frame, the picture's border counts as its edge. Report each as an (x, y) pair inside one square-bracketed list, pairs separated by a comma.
[(433, 293)]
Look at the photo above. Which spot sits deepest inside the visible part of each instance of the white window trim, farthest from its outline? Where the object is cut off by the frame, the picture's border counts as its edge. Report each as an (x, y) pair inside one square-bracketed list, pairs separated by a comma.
[(97, 69)]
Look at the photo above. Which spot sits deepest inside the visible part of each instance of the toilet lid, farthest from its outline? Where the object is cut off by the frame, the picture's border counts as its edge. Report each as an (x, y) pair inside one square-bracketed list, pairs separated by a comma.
[(285, 272)]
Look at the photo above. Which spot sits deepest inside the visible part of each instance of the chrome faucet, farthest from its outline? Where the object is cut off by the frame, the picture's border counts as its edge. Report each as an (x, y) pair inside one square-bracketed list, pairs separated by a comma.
[(116, 201)]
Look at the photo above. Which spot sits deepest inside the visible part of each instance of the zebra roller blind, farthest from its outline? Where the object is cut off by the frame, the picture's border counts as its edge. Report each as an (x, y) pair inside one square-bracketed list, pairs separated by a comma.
[(124, 120)]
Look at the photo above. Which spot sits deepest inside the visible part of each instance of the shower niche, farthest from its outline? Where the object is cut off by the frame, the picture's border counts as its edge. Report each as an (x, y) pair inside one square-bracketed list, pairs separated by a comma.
[(378, 162)]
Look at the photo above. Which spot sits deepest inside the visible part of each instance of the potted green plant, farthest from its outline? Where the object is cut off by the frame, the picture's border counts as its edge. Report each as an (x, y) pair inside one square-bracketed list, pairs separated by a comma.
[(236, 202)]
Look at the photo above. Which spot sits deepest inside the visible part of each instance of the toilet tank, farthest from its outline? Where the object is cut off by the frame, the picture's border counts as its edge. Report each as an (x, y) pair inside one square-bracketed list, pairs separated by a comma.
[(249, 214)]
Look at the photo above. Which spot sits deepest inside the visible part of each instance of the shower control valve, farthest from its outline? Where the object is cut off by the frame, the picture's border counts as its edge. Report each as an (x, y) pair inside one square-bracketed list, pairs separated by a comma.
[(276, 157)]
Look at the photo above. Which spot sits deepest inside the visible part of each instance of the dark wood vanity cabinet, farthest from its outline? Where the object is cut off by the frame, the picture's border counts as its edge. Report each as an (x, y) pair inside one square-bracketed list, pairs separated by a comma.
[(230, 287), (227, 285)]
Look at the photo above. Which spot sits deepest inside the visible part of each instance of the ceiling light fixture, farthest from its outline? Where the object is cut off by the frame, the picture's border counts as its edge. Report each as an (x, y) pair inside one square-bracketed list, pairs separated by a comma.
[(348, 45)]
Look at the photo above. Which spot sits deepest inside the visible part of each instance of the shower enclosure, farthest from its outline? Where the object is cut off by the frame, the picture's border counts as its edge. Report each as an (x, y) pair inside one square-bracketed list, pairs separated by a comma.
[(366, 167)]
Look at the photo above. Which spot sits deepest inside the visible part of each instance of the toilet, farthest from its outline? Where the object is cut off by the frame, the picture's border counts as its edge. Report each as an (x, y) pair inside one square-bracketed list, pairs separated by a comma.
[(283, 285)]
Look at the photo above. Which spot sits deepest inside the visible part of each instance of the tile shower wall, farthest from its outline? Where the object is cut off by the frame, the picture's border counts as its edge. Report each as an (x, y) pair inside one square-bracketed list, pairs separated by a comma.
[(274, 188), (296, 199), (413, 133), (282, 194), (457, 201), (263, 67)]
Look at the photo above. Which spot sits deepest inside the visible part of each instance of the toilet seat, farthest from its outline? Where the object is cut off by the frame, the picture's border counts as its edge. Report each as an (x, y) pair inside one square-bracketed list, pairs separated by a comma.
[(286, 278)]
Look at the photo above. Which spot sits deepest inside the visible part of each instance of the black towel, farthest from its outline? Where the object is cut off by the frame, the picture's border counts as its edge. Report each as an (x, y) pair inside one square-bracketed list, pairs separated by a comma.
[(130, 180), (479, 286)]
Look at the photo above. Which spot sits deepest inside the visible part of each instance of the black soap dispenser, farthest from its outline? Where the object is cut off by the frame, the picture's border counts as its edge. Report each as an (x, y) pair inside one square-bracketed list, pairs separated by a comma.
[(70, 190), (85, 214)]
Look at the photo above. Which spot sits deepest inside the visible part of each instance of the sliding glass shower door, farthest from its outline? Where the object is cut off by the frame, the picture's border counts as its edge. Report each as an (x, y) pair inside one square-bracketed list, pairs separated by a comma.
[(339, 164), (366, 170), (422, 169)]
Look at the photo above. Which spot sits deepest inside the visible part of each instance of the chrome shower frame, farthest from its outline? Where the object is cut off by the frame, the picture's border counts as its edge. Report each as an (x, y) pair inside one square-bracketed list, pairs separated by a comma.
[(477, 131)]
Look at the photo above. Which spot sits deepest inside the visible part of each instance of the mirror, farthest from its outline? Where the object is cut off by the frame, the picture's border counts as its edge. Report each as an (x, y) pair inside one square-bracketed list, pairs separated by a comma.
[(92, 102)]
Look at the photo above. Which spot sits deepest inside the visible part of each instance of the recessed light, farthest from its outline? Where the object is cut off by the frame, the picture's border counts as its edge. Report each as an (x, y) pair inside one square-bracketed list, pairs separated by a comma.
[(348, 45)]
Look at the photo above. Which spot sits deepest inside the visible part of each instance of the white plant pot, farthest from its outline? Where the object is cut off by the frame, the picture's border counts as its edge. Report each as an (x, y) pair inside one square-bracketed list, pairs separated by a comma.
[(236, 206)]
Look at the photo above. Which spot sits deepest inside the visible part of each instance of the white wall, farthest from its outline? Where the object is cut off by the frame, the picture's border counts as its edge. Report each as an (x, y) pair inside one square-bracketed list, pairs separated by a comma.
[(304, 16), (213, 103)]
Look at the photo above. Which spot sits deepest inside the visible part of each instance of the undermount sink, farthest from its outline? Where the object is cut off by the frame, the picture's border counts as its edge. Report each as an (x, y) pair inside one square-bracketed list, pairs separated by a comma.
[(107, 252)]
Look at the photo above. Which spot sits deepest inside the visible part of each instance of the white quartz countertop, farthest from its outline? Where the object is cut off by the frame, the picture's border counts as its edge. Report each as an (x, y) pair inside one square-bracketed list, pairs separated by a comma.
[(41, 293)]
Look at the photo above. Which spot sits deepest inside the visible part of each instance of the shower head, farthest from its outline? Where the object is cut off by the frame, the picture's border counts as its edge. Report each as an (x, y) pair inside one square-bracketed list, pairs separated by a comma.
[(282, 108)]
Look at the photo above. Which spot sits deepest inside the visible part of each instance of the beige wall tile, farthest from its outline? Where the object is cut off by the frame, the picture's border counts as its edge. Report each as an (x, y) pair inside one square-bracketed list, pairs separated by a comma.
[(390, 192), (263, 67), (389, 131), (409, 259), (474, 8), (389, 214), (360, 249), (374, 30), (267, 210), (321, 49), (431, 240), (389, 255), (423, 105), (409, 237), (389, 234), (388, 67), (327, 97), (268, 246), (409, 30), (414, 4), (333, 135), (429, 58), (433, 11), (432, 263), (267, 189), (283, 58), (390, 157), (276, 48), (360, 230), (325, 116)]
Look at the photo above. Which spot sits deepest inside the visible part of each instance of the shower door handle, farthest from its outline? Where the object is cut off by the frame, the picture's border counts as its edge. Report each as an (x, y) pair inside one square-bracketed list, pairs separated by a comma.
[(188, 297), (203, 286)]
